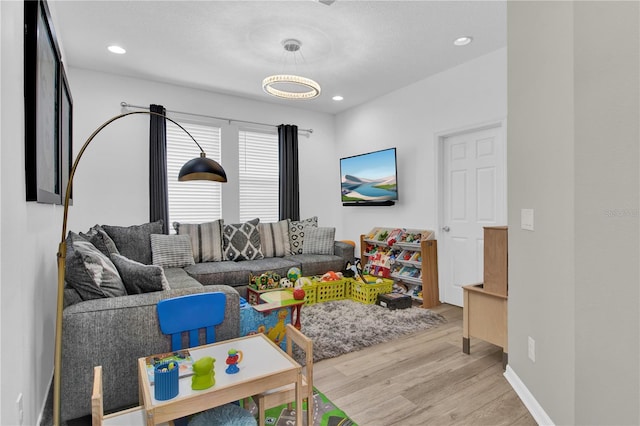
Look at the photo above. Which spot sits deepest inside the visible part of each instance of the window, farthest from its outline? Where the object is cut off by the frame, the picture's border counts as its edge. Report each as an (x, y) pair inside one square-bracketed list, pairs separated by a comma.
[(192, 201), (259, 176)]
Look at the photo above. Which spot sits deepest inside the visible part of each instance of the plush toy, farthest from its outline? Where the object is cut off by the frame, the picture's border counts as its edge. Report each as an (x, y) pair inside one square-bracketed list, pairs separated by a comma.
[(285, 282), (353, 271), (303, 282), (330, 276)]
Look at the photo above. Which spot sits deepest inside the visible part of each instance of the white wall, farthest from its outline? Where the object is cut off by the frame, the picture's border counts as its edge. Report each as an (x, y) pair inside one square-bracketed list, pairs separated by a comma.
[(111, 183), (409, 119), (540, 169), (574, 157), (29, 235)]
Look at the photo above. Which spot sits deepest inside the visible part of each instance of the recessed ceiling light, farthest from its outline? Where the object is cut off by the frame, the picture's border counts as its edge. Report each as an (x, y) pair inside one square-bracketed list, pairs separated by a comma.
[(463, 41), (116, 49), (337, 98)]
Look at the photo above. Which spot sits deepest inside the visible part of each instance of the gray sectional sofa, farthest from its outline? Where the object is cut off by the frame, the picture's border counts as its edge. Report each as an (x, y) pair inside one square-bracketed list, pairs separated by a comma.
[(115, 331)]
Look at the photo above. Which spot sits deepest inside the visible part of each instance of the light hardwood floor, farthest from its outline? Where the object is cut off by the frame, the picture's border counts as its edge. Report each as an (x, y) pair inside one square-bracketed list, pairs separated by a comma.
[(423, 379)]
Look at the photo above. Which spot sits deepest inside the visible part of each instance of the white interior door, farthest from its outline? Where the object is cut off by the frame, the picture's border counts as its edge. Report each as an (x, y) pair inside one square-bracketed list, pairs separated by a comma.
[(473, 195)]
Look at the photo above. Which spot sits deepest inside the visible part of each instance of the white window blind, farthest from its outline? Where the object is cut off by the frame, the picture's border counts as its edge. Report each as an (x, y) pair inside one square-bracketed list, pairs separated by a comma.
[(258, 154), (192, 201)]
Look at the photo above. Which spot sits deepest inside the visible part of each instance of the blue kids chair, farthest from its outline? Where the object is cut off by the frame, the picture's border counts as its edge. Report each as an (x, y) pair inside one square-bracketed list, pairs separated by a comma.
[(191, 313)]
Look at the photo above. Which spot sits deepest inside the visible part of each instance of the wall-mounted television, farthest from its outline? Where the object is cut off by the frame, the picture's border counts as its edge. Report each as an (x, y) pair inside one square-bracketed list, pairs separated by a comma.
[(369, 179)]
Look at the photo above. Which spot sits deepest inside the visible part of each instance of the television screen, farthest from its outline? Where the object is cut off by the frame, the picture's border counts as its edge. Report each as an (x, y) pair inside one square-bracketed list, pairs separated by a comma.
[(369, 177)]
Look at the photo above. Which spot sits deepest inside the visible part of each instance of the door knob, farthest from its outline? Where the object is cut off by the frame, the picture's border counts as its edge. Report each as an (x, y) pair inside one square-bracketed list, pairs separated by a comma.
[(445, 228)]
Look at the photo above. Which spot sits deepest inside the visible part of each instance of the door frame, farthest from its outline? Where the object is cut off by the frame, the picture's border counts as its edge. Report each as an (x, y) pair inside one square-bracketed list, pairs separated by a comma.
[(439, 137)]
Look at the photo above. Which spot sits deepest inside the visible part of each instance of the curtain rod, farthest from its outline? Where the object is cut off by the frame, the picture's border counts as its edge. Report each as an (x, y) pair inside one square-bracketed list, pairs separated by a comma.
[(127, 105)]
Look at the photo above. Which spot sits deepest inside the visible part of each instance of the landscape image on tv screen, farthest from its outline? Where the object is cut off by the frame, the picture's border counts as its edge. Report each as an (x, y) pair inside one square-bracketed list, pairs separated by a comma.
[(369, 177)]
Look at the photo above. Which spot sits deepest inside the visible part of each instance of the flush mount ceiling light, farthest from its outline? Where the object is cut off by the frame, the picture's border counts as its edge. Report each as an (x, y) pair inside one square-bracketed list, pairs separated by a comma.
[(116, 49), (289, 86), (463, 41), (337, 98)]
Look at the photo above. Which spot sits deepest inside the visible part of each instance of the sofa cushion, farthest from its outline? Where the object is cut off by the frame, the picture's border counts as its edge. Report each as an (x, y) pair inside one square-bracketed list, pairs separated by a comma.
[(133, 242), (237, 273), (178, 278), (296, 233), (139, 278), (206, 239), (89, 271), (274, 238), (171, 251), (242, 241), (318, 240)]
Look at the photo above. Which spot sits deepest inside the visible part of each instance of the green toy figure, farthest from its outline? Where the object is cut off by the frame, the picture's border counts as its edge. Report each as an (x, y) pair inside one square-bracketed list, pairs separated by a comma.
[(203, 373)]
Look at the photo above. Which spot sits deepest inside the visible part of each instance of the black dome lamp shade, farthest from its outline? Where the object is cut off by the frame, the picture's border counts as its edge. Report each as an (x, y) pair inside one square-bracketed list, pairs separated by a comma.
[(202, 168)]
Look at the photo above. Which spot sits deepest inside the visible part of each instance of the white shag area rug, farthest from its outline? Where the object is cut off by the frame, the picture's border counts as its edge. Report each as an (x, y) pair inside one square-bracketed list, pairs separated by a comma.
[(345, 326)]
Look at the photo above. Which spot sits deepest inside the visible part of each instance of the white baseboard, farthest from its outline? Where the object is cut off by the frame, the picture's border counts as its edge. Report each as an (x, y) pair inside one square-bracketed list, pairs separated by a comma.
[(536, 410)]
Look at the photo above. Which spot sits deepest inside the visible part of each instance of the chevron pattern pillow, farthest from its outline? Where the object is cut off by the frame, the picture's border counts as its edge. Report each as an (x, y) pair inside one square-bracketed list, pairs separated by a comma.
[(242, 241)]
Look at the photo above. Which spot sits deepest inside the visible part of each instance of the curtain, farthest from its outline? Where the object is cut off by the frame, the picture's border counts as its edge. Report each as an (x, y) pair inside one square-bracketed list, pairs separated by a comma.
[(158, 195), (289, 177)]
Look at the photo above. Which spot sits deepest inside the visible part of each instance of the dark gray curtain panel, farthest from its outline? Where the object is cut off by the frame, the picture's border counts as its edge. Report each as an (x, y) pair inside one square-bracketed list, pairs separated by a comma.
[(289, 177), (158, 194)]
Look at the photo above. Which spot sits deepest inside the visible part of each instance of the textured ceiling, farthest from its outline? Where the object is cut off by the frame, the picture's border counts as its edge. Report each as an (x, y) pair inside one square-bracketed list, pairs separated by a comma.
[(357, 49)]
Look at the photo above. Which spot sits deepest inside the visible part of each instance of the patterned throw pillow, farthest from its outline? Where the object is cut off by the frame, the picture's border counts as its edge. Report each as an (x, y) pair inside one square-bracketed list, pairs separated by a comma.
[(318, 240), (242, 241), (90, 272), (206, 239), (274, 238), (99, 238), (140, 278), (171, 251), (133, 241), (296, 233)]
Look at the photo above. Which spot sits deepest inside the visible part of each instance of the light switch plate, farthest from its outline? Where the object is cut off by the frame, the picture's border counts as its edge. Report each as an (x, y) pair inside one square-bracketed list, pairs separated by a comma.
[(526, 219)]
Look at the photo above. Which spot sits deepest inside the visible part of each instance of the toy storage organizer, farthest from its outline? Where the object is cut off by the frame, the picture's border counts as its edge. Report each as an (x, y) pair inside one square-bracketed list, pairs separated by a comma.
[(407, 256)]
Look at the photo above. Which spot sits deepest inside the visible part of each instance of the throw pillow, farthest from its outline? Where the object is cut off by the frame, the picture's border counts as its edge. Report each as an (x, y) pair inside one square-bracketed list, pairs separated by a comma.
[(139, 278), (206, 239), (133, 242), (171, 251), (274, 238), (242, 241), (90, 272), (99, 238), (296, 233), (318, 240)]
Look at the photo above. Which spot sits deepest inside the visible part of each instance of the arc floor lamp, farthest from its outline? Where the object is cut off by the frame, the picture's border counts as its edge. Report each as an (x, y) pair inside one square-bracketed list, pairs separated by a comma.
[(200, 168)]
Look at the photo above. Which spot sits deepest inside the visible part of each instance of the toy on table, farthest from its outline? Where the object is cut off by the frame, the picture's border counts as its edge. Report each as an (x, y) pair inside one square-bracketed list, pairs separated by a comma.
[(203, 373), (234, 358), (285, 282), (293, 274)]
